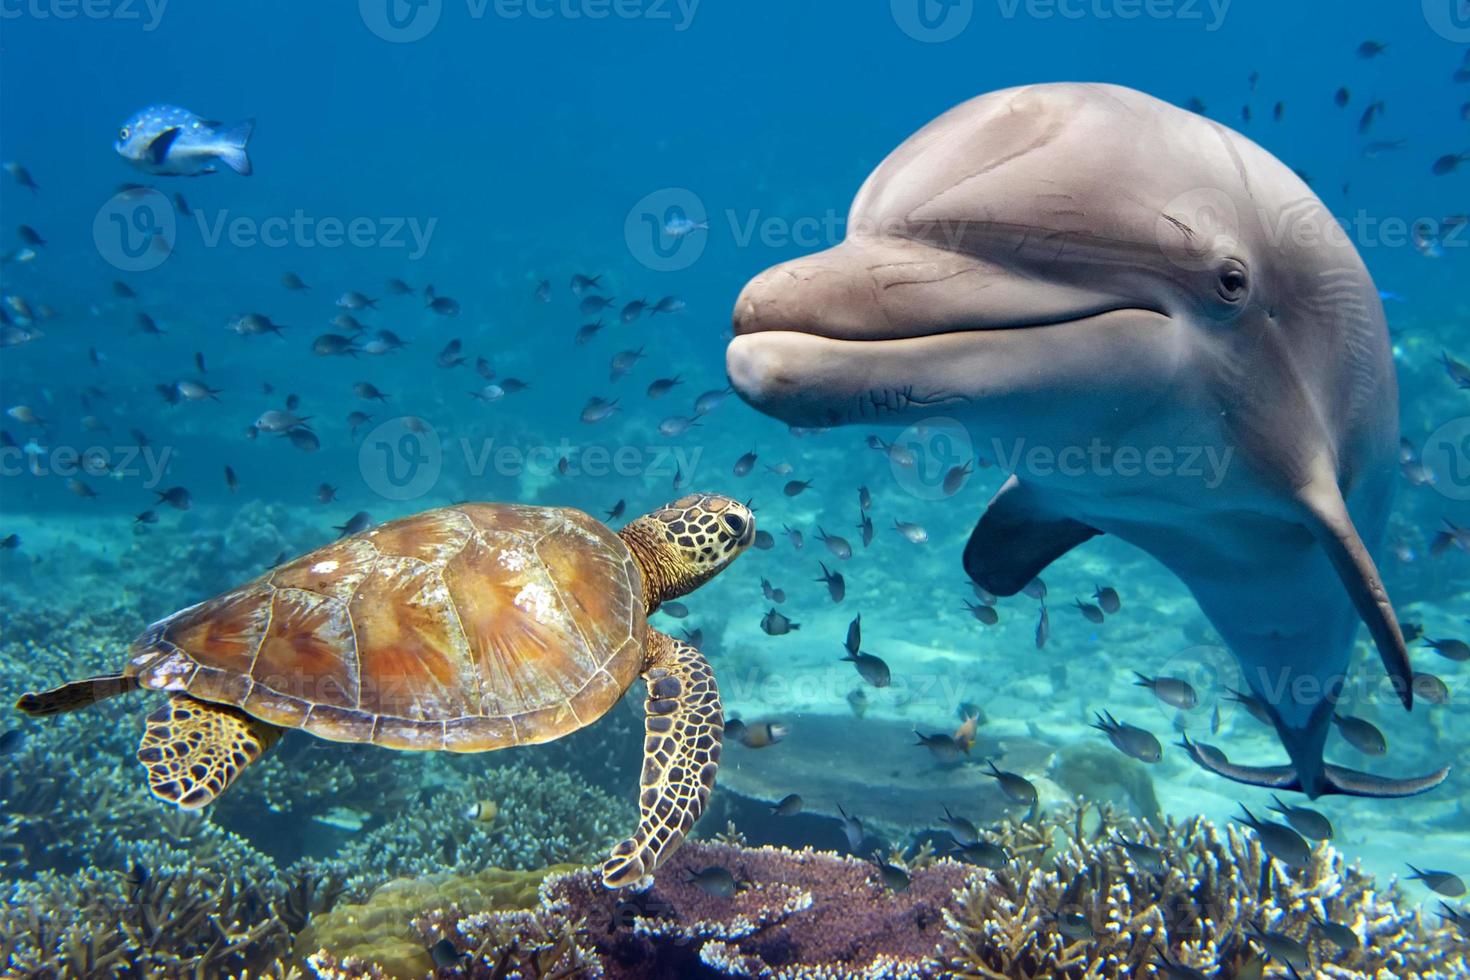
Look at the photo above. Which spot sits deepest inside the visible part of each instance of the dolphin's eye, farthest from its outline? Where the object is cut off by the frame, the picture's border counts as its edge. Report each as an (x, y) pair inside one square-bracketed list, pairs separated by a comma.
[(123, 133), (1233, 282)]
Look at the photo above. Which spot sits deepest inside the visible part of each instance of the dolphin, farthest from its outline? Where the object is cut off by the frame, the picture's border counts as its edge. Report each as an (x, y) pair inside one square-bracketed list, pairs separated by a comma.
[(1083, 272)]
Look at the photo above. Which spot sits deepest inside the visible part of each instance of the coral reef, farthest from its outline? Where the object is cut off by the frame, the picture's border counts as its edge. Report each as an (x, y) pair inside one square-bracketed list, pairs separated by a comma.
[(1076, 905)]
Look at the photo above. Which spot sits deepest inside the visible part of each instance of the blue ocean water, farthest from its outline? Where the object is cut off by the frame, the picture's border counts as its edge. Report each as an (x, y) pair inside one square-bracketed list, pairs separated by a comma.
[(486, 148)]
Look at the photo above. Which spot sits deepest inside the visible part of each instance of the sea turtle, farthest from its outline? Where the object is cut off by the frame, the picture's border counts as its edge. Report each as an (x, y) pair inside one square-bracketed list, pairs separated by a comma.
[(466, 629)]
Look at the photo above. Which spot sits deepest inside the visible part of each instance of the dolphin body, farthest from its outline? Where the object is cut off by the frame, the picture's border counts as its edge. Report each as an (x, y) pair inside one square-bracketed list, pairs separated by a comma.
[(1083, 265)]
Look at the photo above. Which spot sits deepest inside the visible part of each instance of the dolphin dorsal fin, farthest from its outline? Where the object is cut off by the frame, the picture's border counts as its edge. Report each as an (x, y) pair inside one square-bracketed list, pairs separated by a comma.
[(1327, 516)]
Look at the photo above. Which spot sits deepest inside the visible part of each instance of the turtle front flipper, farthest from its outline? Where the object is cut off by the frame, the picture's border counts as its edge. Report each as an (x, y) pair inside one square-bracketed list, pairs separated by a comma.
[(75, 695), (681, 751), (194, 749)]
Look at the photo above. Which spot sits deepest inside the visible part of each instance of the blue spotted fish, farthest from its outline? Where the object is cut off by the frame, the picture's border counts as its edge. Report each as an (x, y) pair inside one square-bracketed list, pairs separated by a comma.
[(170, 141)]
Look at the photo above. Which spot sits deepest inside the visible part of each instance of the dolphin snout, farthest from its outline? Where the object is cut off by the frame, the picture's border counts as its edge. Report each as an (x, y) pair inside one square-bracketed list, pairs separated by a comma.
[(810, 295)]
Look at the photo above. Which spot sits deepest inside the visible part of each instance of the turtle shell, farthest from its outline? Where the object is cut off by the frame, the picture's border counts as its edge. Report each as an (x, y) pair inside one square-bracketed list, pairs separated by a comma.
[(468, 628)]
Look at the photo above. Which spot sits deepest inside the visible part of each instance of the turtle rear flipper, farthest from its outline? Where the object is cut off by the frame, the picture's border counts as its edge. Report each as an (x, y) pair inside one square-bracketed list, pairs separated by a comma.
[(684, 724), (193, 749), (75, 695)]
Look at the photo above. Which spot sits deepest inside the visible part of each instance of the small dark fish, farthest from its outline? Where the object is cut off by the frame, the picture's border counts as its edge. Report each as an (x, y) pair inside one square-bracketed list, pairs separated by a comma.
[(942, 746), (10, 542), (368, 391), (1253, 705), (146, 517), (1129, 739), (1369, 49), (581, 283), (836, 584), (30, 236), (838, 546), (1278, 111), (1280, 841), (1017, 788), (865, 499), (676, 425), (668, 306), (122, 290), (326, 493), (1280, 946), (1196, 104), (1245, 113), (1107, 599), (444, 306), (764, 540), (794, 536), (1173, 691), (787, 806), (961, 830), (146, 324), (1335, 933), (663, 386), (598, 409), (795, 487), (230, 480), (761, 734), (1456, 650), (543, 291), (633, 310), (355, 301), (954, 479), (1173, 969), (1043, 627), (445, 954), (913, 533), (772, 593), (982, 853), (872, 669), (1447, 884), (618, 510), (294, 282), (865, 528), (356, 523), (894, 878), (333, 345), (176, 497), (1074, 926), (1036, 589), (593, 305), (986, 614), (276, 420), (1307, 822), (1341, 97), (1361, 734), (713, 880), (623, 362), (399, 288), (711, 400), (852, 828), (1150, 859), (1090, 612), (1448, 163), (22, 177), (694, 637), (356, 420), (775, 624), (450, 355), (587, 332), (854, 641), (745, 464), (304, 440), (1370, 114)]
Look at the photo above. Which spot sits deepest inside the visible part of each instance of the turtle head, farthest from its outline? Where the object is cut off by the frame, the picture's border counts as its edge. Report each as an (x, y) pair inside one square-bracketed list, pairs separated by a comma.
[(684, 544)]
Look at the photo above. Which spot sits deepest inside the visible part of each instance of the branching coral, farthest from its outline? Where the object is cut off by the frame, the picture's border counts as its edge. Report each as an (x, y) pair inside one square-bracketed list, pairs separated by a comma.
[(1215, 884)]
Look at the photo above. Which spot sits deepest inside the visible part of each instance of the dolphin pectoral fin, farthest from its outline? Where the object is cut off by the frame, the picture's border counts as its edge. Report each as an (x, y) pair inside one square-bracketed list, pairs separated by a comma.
[(1336, 780), (1016, 538), (1336, 534)]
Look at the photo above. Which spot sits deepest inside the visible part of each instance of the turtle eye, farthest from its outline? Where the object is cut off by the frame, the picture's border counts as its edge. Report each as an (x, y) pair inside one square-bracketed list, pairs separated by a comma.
[(735, 524)]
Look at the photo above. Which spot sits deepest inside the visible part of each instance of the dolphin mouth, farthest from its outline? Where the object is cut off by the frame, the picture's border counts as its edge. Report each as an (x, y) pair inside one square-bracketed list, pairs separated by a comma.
[(818, 378)]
